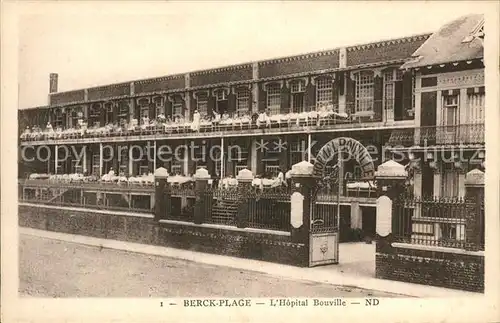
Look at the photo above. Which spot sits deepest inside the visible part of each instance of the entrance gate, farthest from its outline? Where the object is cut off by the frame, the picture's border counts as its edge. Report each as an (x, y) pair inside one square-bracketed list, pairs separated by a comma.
[(324, 232)]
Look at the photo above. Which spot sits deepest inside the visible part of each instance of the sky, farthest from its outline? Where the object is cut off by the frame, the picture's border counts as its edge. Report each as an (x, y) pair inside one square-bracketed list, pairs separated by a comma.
[(92, 43)]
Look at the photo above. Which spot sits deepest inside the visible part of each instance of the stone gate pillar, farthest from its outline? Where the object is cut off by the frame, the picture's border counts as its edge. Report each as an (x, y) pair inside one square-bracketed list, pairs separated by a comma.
[(201, 177), (301, 200), (245, 178), (474, 224), (390, 177), (161, 198)]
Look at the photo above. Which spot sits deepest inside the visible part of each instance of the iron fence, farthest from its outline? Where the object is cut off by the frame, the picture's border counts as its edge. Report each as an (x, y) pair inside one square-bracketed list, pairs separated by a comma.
[(435, 221), (105, 197), (269, 209)]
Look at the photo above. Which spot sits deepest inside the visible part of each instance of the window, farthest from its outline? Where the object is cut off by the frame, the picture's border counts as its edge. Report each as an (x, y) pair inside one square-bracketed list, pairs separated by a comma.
[(109, 112), (94, 115), (159, 103), (202, 103), (450, 108), (177, 107), (324, 94), (76, 113), (123, 112), (95, 165), (364, 91), (144, 112), (475, 108), (449, 185), (274, 98), (297, 89), (76, 166), (221, 100), (58, 118), (242, 101)]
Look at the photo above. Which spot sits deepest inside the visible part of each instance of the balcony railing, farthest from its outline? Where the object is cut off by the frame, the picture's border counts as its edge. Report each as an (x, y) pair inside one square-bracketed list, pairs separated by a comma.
[(466, 134), (293, 121), (450, 135)]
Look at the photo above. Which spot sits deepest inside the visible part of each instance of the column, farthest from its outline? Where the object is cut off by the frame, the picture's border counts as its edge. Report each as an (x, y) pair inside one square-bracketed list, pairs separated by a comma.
[(84, 161), (222, 157), (186, 160), (245, 178), (417, 178), (303, 184), (356, 219), (309, 141), (187, 100), (437, 180), (161, 198), (255, 88), (100, 159), (461, 182), (131, 106), (474, 225), (56, 152), (131, 161), (200, 208), (253, 156), (154, 155)]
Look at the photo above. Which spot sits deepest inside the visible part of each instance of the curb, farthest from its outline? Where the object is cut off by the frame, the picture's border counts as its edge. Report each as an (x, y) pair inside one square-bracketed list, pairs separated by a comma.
[(317, 274)]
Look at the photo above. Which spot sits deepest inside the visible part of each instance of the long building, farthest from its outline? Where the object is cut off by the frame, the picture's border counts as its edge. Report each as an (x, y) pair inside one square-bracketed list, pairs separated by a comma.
[(398, 97)]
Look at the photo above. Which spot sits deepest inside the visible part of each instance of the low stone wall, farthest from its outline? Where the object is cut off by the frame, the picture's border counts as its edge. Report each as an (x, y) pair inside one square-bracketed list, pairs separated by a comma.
[(245, 243), (456, 270)]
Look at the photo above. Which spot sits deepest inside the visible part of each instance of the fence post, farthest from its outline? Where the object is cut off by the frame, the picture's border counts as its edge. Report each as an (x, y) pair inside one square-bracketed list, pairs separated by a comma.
[(390, 177), (303, 184), (201, 177), (245, 178), (474, 221), (160, 208)]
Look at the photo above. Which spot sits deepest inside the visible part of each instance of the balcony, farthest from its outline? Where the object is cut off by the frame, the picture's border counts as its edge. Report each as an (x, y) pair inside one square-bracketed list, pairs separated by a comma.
[(237, 125), (459, 135)]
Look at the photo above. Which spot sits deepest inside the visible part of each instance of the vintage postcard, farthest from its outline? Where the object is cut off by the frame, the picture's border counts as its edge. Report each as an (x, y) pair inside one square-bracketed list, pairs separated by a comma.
[(250, 161)]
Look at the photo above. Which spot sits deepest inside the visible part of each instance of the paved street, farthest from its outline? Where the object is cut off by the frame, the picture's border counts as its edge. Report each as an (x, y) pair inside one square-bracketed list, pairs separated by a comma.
[(56, 268)]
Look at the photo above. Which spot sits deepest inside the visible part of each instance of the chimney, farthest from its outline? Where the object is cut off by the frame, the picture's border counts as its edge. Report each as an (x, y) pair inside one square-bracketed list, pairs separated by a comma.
[(53, 83)]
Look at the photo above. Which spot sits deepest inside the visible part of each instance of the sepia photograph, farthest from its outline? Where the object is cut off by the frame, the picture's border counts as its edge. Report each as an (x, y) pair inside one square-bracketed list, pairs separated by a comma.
[(261, 156)]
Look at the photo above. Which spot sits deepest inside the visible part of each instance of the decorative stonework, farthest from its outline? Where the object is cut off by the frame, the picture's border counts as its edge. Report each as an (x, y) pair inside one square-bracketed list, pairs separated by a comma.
[(303, 79), (202, 174), (389, 42), (304, 168), (391, 169), (266, 84), (315, 78), (296, 210), (161, 172), (474, 178), (384, 216), (461, 79), (244, 175)]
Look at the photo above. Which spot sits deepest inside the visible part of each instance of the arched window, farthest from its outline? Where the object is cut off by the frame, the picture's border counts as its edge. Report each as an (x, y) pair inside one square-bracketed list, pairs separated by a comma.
[(324, 93), (364, 91)]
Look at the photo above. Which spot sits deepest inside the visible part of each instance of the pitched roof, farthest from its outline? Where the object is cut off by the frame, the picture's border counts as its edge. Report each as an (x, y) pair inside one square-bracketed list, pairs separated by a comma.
[(451, 43)]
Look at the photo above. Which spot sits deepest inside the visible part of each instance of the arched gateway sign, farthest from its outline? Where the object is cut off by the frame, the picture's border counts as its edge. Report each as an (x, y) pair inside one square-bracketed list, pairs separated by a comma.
[(345, 145)]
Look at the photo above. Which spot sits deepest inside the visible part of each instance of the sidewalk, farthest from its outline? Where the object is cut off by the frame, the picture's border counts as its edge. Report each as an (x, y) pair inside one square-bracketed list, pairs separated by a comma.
[(350, 272)]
